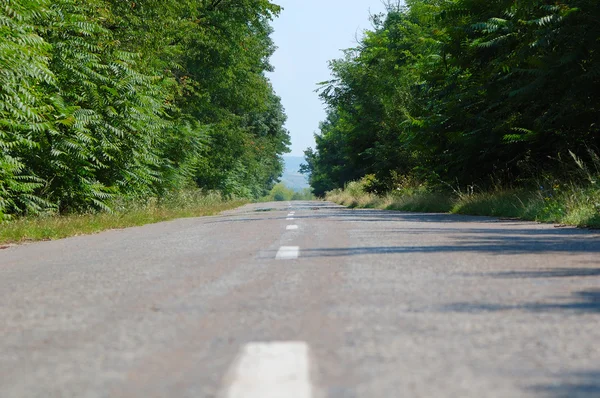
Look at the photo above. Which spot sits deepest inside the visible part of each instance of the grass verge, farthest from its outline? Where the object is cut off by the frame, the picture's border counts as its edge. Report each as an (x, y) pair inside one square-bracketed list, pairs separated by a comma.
[(126, 214), (569, 205)]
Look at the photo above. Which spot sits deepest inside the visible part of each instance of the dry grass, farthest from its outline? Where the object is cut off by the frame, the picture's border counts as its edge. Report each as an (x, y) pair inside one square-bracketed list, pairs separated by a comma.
[(569, 205), (180, 205)]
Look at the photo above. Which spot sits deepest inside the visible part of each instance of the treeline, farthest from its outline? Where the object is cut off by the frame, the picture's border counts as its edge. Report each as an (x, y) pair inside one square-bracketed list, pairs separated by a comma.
[(457, 92), (102, 99), (281, 192)]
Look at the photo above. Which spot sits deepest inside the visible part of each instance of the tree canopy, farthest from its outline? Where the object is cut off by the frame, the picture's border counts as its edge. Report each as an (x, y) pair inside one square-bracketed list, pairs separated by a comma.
[(462, 91), (105, 98)]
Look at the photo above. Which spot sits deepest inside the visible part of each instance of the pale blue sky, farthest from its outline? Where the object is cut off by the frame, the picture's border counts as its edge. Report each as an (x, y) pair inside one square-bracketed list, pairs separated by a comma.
[(308, 34)]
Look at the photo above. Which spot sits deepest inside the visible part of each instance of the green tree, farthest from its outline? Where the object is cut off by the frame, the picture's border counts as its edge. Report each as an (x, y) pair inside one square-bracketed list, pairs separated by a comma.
[(105, 99), (24, 58), (456, 91)]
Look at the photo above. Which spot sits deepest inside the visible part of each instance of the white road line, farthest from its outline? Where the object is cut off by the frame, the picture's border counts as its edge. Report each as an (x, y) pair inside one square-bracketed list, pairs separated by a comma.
[(291, 227), (289, 219), (291, 215), (271, 370), (287, 253)]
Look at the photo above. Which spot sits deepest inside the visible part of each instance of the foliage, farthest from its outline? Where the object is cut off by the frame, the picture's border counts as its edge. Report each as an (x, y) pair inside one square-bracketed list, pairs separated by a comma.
[(304, 194), (24, 58), (569, 204), (463, 92), (280, 193), (105, 99)]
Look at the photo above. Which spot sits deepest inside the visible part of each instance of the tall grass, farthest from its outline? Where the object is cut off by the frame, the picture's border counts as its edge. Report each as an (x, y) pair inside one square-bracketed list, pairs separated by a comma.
[(566, 203), (126, 213)]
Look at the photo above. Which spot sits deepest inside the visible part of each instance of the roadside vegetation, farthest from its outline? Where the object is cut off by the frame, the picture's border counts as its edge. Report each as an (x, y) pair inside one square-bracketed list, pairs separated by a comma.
[(183, 204), (467, 106), (561, 204), (281, 192), (104, 101), (190, 202), (116, 113)]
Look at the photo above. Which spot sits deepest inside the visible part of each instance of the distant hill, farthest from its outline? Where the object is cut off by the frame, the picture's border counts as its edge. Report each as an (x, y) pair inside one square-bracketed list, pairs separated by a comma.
[(291, 175)]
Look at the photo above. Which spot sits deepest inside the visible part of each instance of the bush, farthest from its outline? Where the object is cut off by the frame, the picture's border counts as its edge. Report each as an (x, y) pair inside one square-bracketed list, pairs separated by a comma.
[(280, 193), (305, 194)]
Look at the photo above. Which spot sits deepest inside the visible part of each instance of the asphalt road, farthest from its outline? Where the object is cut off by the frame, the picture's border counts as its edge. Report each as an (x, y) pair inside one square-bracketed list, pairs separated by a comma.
[(350, 303)]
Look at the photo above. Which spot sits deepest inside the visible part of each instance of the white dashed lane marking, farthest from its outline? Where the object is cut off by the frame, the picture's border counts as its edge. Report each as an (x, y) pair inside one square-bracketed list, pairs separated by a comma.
[(287, 253), (271, 370), (289, 219), (291, 227)]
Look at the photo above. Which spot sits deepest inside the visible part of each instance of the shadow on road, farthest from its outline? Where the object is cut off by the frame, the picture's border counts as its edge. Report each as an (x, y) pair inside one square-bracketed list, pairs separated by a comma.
[(573, 385), (585, 301), (547, 273), (342, 214), (508, 244), (464, 232)]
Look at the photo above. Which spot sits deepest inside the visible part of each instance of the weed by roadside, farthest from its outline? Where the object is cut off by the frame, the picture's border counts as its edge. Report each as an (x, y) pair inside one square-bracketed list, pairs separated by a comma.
[(569, 204), (127, 213)]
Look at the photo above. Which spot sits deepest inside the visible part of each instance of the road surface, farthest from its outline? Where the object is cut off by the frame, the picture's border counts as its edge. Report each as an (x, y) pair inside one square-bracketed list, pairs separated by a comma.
[(305, 300)]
